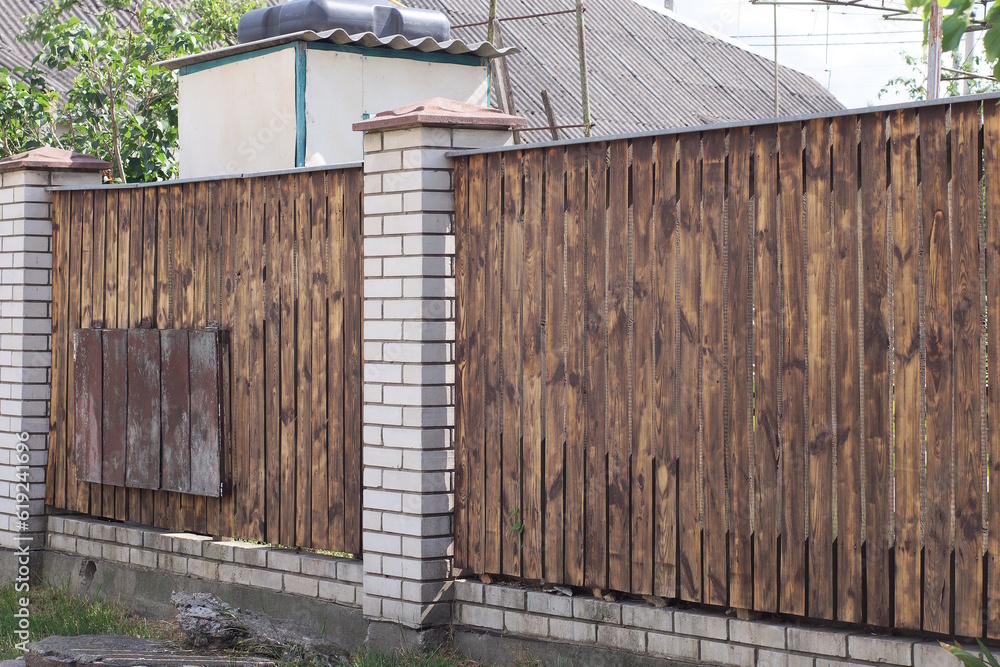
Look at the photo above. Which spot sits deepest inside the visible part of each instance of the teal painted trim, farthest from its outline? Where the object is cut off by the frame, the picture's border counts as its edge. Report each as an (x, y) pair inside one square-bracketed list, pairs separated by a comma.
[(406, 54), (300, 105), (239, 57)]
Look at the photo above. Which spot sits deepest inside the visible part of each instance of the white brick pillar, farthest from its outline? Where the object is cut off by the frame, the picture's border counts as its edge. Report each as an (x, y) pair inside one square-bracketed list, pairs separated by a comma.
[(409, 371), (26, 327)]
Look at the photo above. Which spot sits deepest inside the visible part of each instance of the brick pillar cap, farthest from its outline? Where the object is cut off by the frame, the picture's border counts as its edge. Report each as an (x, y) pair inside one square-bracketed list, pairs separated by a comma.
[(48, 158), (441, 112)]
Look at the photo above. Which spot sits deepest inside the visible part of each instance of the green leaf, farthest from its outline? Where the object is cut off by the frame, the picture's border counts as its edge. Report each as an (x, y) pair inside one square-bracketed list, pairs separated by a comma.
[(986, 653), (952, 29), (964, 656)]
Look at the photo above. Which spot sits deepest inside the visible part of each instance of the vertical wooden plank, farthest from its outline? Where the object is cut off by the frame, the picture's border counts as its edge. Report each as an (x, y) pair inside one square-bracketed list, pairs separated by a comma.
[(689, 344), (105, 285), (819, 369), (286, 297), (665, 381), (115, 398), (713, 380), (991, 168), (206, 479), (464, 394), (55, 488), (129, 215), (175, 410), (513, 332), (767, 334), (128, 505), (255, 394), (739, 416), (226, 320), (240, 356), (967, 316), (352, 357), (531, 353), (619, 438), (595, 521), (273, 499), (576, 360), (472, 391), (555, 350), (151, 229), (792, 426), (336, 327), (303, 359), (88, 394), (318, 292), (182, 226), (877, 411), (850, 585), (643, 411), (77, 222), (199, 280), (142, 448), (493, 390), (909, 387), (93, 211)]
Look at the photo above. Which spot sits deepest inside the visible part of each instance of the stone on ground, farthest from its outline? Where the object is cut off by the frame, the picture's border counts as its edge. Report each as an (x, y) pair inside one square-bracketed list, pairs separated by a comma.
[(117, 651)]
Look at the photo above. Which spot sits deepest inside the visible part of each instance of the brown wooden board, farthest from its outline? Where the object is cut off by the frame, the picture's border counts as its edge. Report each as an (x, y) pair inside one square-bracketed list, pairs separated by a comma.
[(643, 375), (738, 399), (533, 365), (576, 362), (991, 174), (88, 393), (107, 281), (513, 268), (792, 426), (318, 295), (82, 499), (492, 387), (175, 410), (254, 528), (970, 474), (819, 238), (713, 379), (132, 497), (850, 541), (142, 453), (115, 399), (206, 476), (555, 360), (227, 302), (689, 343), (336, 433), (665, 570), (353, 340), (55, 488), (463, 392), (595, 522), (303, 360), (73, 322), (908, 381), (199, 264), (877, 410), (619, 437)]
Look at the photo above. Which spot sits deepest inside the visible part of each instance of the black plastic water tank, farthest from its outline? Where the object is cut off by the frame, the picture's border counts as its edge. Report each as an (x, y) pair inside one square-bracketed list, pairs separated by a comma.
[(354, 16)]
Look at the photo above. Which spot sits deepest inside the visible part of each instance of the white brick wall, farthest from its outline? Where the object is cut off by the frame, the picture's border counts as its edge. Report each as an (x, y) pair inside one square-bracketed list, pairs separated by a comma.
[(25, 341), (409, 327)]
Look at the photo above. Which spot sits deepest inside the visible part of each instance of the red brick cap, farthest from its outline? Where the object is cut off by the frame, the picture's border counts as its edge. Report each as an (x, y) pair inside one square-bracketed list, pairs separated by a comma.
[(441, 112), (53, 158)]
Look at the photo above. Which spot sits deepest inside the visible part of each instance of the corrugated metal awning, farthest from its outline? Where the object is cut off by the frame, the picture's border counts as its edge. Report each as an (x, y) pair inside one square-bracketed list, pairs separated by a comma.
[(455, 47)]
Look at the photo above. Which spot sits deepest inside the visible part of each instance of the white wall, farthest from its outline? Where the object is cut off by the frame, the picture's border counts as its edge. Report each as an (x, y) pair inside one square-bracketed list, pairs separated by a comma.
[(342, 87), (238, 117)]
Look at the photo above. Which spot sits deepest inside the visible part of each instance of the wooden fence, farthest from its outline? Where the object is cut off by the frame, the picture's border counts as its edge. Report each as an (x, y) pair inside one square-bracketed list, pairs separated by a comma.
[(276, 262), (741, 367)]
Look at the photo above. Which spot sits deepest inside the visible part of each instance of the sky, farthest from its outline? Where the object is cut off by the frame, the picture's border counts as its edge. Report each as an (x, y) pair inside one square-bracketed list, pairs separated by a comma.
[(860, 55)]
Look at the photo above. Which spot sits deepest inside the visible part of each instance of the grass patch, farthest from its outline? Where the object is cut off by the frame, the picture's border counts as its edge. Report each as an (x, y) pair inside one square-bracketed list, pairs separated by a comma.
[(439, 658), (55, 611)]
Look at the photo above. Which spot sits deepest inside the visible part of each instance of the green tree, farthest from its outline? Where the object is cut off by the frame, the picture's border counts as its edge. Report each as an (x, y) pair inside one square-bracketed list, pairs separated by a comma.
[(956, 16), (914, 85), (120, 106)]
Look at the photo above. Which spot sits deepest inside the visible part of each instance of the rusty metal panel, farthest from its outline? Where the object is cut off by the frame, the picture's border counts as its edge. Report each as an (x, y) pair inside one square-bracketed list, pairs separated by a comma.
[(115, 405), (175, 394), (205, 414), (142, 468), (87, 388)]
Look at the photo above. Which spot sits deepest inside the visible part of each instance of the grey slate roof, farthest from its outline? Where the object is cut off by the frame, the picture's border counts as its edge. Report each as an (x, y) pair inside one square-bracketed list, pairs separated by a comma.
[(647, 69)]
